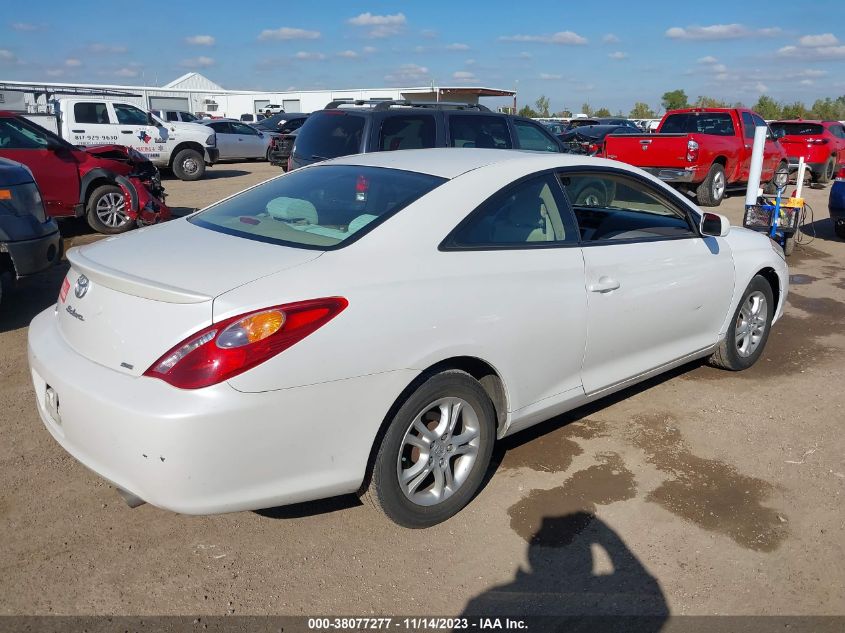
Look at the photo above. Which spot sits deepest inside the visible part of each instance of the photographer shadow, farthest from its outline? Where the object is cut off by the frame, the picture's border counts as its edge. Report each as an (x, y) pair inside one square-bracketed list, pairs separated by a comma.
[(582, 577)]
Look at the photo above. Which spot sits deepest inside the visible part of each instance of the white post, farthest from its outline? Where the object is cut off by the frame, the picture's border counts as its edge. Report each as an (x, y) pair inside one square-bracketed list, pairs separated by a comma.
[(801, 168), (756, 166)]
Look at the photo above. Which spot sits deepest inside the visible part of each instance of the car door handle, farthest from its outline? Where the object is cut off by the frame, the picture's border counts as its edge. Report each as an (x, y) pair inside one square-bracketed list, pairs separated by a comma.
[(127, 131), (78, 131), (604, 284)]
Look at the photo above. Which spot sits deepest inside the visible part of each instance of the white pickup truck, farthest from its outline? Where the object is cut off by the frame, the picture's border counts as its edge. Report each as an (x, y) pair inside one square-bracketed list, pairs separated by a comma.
[(185, 148)]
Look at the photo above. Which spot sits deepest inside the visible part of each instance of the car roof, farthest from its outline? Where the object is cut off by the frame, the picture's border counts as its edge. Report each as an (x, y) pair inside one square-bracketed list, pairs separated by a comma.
[(451, 162)]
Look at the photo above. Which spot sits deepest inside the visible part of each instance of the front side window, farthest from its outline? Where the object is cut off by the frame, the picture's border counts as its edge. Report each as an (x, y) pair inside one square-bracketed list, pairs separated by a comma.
[(407, 132), (522, 215), (90, 113), (322, 207), (748, 124), (187, 117), (612, 208), (533, 139), (330, 134), (479, 131), (130, 115), (172, 116)]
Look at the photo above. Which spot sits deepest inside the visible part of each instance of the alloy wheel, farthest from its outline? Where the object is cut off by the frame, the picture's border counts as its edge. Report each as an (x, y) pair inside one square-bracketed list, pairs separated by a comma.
[(111, 210), (751, 323)]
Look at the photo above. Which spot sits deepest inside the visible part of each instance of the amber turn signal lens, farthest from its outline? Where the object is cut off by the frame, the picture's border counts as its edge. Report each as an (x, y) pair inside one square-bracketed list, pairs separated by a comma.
[(5, 194)]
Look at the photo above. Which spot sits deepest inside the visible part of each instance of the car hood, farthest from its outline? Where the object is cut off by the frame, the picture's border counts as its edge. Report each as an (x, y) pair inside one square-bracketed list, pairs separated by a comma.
[(136, 161)]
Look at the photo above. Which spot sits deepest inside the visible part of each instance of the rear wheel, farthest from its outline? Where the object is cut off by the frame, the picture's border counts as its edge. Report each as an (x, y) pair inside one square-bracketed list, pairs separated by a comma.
[(107, 211), (749, 330), (711, 191), (435, 452), (189, 165), (839, 229), (827, 172)]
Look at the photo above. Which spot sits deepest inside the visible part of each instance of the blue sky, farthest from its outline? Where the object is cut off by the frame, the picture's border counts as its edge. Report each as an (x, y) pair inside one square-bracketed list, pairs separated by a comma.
[(571, 52)]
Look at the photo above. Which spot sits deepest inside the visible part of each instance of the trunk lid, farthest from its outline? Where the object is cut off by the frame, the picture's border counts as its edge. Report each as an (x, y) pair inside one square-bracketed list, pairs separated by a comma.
[(127, 300), (649, 150)]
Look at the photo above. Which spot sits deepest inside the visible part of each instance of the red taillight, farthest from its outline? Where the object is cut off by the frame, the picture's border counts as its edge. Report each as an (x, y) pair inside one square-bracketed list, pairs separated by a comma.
[(204, 358)]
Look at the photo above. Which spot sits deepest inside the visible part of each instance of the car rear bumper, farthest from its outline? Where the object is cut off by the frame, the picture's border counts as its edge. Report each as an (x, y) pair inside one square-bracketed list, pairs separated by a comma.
[(208, 450), (33, 256), (814, 167), (672, 174)]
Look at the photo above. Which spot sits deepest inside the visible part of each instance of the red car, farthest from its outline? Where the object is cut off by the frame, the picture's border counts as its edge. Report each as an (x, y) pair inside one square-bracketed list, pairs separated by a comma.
[(821, 143), (114, 186)]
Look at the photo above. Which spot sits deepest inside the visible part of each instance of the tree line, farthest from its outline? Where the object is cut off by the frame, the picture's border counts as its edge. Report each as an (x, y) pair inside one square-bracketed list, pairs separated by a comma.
[(825, 109)]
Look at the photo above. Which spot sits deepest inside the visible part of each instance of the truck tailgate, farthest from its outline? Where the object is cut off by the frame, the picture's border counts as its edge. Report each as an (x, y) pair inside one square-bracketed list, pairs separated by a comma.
[(649, 150)]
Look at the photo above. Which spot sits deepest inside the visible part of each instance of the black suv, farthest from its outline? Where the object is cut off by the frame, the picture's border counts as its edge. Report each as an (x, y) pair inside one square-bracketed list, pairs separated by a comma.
[(375, 126)]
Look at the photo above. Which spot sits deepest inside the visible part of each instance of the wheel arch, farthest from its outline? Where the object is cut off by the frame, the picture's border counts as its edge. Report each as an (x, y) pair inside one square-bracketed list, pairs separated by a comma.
[(771, 276), (93, 179), (194, 145), (487, 376)]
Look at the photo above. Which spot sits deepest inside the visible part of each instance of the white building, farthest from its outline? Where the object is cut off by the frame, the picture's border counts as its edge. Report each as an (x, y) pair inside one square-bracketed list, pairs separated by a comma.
[(196, 93)]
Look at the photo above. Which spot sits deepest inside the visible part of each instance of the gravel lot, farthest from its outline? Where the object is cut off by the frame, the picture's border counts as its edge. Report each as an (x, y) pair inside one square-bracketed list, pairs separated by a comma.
[(702, 492)]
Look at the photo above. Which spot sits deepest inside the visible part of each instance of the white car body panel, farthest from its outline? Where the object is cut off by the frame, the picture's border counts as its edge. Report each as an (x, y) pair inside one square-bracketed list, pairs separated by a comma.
[(301, 425)]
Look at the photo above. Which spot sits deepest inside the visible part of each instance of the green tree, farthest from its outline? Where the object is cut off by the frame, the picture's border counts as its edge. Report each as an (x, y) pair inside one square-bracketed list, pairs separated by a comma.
[(641, 111), (542, 105), (586, 109), (602, 112), (675, 99), (767, 107), (829, 109), (564, 114), (526, 111), (795, 110), (709, 102)]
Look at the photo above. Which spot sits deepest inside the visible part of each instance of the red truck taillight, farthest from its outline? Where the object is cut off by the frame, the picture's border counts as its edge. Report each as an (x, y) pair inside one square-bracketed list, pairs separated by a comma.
[(692, 151)]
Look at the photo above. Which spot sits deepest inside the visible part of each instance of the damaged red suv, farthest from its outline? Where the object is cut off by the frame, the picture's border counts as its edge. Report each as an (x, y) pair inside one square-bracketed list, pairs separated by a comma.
[(113, 186)]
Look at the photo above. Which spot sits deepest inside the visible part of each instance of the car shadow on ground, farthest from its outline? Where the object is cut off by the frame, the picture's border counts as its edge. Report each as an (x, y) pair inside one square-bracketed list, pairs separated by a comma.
[(581, 577), (311, 508), (31, 296), (820, 229), (213, 173)]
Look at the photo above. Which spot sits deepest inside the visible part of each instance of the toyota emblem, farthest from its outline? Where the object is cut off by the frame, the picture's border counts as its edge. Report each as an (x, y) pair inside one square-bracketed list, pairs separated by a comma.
[(81, 286)]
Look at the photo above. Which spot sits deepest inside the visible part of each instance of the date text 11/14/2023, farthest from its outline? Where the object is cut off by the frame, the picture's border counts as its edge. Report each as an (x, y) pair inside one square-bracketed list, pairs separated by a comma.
[(416, 624)]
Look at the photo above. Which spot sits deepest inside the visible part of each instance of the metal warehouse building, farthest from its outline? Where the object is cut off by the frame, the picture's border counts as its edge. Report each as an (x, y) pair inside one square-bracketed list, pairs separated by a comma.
[(196, 93)]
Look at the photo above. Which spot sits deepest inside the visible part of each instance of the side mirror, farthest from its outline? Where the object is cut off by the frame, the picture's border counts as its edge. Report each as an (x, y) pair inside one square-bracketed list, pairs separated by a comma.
[(715, 225), (53, 145)]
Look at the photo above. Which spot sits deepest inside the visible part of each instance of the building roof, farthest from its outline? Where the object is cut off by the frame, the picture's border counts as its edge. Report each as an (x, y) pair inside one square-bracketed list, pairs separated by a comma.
[(194, 81)]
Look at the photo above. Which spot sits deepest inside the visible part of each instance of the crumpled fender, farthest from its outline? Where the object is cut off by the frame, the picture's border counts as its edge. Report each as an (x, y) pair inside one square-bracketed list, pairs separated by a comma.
[(143, 206)]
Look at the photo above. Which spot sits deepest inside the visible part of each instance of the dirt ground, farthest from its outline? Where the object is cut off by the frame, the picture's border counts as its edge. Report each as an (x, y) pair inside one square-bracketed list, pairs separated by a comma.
[(701, 492)]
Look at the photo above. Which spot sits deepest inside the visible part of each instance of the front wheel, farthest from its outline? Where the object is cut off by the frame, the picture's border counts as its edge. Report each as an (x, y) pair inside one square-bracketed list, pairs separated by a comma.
[(435, 453), (749, 330), (107, 210), (189, 165)]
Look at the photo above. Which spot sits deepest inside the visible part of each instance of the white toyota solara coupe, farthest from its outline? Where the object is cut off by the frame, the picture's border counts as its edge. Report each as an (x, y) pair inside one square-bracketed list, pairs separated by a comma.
[(376, 322)]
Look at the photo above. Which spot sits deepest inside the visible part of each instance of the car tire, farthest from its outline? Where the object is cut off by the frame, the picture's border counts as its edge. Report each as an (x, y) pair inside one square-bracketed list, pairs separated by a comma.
[(267, 154), (839, 228), (419, 437), (7, 282), (770, 188), (749, 328), (827, 173), (189, 165), (788, 245), (711, 191), (106, 210)]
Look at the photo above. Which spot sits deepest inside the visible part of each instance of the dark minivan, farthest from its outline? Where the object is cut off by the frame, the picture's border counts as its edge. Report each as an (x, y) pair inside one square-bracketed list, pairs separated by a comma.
[(29, 238), (360, 127)]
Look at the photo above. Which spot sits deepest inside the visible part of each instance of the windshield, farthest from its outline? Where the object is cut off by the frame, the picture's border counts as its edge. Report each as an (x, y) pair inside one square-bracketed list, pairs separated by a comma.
[(321, 207), (796, 129), (714, 123), (330, 134)]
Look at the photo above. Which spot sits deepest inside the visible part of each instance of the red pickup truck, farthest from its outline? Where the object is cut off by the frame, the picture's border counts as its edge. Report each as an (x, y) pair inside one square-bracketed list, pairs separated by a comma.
[(700, 150), (114, 186)]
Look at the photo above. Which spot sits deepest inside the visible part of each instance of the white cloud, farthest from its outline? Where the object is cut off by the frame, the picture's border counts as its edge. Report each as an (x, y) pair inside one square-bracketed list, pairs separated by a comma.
[(561, 37), (761, 87), (380, 26), (408, 74), (125, 72), (610, 38), (825, 39), (309, 56), (201, 40), (718, 32), (55, 72), (288, 33), (806, 82), (525, 55), (720, 68), (420, 49), (72, 62), (550, 77), (348, 54), (24, 26), (7, 57), (198, 62), (369, 49), (707, 60), (618, 55), (106, 48), (429, 34), (469, 62), (463, 74), (817, 53), (457, 47)]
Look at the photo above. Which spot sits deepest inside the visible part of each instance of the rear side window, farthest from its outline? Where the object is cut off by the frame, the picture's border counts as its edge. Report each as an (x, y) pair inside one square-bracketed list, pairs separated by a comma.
[(330, 134), (321, 207), (797, 129), (222, 127), (714, 123), (90, 113), (407, 132), (532, 138), (479, 131)]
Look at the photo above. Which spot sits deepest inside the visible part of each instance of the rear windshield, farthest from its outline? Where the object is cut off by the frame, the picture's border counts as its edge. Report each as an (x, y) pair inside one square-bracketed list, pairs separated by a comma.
[(796, 129), (322, 207), (715, 123), (329, 135)]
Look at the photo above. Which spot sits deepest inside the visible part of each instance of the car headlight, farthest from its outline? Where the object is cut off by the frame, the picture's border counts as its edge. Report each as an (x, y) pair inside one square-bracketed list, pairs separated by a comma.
[(211, 140)]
